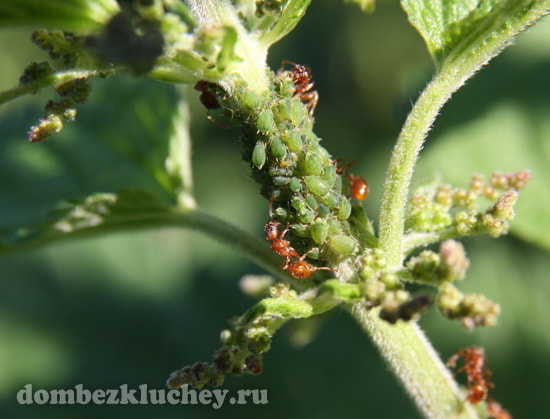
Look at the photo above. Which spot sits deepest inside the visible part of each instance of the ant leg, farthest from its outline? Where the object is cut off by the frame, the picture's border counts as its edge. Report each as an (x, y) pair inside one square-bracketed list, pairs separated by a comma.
[(451, 362), (270, 206), (283, 63), (218, 123), (313, 99)]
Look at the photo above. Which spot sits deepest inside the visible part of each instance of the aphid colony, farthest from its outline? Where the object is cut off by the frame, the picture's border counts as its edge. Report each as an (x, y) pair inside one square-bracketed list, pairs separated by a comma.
[(309, 194), (478, 386)]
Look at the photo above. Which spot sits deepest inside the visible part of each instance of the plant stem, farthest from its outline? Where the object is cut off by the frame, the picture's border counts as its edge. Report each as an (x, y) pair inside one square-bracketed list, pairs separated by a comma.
[(416, 363), (403, 159), (219, 230), (413, 241), (56, 78)]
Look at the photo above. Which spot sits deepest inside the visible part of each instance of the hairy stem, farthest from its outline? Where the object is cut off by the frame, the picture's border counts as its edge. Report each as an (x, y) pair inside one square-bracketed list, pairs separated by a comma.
[(416, 363), (403, 159)]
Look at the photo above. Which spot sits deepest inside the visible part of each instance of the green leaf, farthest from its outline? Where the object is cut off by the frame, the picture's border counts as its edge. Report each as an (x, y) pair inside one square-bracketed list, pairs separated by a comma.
[(97, 213), (69, 15), (507, 138), (289, 17), (476, 28)]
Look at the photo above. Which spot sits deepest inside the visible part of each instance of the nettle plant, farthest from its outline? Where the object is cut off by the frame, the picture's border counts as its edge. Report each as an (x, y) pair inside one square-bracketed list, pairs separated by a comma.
[(324, 251)]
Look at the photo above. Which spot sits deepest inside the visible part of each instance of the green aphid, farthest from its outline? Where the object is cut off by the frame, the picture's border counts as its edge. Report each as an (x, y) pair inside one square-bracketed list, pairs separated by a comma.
[(283, 110), (333, 226), (300, 230), (311, 201), (325, 155), (294, 184), (293, 141), (259, 155), (278, 148), (276, 170), (282, 213), (342, 244), (251, 100), (319, 231), (298, 112), (306, 216), (287, 88), (298, 203), (323, 210), (337, 186), (330, 175), (345, 209), (332, 199), (281, 180), (314, 254), (313, 164), (265, 122), (316, 185)]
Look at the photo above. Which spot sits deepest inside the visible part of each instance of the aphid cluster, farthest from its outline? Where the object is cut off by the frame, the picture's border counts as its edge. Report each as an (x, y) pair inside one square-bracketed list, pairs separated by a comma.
[(474, 367), (308, 193)]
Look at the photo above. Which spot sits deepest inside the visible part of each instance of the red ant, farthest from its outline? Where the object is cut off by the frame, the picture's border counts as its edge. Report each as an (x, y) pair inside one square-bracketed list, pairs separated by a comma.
[(496, 411), (474, 366), (294, 263), (207, 98), (301, 77), (359, 186)]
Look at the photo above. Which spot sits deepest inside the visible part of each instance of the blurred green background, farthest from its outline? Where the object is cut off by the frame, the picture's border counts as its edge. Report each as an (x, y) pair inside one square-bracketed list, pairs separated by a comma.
[(131, 308)]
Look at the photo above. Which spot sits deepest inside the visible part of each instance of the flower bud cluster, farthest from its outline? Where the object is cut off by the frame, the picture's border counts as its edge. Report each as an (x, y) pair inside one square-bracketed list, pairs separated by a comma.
[(244, 345), (471, 309), (435, 206)]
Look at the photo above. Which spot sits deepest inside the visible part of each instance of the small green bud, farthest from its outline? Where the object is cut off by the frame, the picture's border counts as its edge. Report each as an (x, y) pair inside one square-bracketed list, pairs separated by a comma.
[(258, 155), (278, 148), (425, 267), (342, 244), (316, 185), (454, 262), (374, 291)]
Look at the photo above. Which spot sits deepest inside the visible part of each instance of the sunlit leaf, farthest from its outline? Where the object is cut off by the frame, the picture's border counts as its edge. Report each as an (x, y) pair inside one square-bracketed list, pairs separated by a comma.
[(457, 28), (97, 213)]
